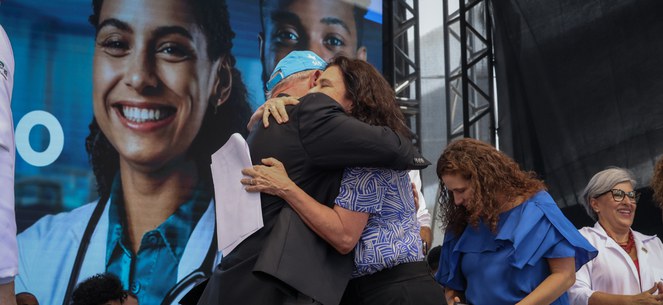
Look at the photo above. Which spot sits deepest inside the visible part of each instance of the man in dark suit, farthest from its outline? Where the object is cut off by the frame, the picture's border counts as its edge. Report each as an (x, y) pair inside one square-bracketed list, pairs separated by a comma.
[(285, 262)]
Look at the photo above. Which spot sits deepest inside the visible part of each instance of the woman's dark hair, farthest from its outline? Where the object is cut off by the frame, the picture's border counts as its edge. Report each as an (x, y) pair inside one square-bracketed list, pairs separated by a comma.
[(98, 290), (219, 122), (374, 101)]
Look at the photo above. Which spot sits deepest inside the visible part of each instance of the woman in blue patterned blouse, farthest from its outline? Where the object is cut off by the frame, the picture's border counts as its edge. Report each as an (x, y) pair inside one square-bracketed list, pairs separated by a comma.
[(375, 212)]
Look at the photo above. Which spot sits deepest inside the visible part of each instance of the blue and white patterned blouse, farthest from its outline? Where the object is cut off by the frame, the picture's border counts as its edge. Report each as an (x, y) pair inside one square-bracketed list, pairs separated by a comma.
[(391, 236)]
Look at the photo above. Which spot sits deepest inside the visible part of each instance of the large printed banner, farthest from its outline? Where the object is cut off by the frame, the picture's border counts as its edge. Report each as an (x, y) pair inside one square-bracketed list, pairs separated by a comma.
[(167, 84)]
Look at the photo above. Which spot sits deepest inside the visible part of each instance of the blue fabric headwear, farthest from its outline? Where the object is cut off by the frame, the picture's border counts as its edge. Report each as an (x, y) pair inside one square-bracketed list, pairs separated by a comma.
[(294, 62)]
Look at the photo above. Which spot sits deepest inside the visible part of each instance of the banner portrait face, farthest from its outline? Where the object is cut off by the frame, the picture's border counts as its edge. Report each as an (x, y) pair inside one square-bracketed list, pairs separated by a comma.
[(106, 91)]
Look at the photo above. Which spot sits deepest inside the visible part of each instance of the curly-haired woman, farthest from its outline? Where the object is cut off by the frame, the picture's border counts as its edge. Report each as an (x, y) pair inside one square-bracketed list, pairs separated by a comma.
[(502, 224)]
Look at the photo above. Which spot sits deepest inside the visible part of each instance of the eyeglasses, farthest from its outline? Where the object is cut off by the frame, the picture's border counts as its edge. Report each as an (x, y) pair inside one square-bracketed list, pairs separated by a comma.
[(619, 195)]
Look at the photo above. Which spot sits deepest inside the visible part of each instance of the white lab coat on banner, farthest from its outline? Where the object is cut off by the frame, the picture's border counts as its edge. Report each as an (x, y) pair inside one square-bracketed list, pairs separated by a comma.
[(8, 252), (48, 250), (613, 270)]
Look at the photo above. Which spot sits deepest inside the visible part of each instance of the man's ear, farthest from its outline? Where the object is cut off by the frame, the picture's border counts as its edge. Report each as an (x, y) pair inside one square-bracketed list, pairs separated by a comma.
[(361, 53), (313, 77), (224, 82)]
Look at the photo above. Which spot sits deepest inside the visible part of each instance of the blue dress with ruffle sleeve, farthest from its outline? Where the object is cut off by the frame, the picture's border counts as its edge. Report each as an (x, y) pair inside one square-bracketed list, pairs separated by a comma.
[(504, 268)]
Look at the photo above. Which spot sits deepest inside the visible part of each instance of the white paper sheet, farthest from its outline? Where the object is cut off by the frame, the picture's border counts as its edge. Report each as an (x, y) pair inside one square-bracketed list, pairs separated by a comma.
[(238, 213)]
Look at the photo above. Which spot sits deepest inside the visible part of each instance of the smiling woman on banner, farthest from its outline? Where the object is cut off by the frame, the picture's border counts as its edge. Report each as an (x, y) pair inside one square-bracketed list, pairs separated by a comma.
[(629, 267), (166, 95)]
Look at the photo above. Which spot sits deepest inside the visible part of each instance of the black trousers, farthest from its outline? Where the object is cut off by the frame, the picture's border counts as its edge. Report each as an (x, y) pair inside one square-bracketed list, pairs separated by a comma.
[(405, 284)]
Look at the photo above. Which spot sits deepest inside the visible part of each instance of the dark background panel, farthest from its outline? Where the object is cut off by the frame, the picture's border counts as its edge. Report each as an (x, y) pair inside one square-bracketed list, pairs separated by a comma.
[(583, 85)]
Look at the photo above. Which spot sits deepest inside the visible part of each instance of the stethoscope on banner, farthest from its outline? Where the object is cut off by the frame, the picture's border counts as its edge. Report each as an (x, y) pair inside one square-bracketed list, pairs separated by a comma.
[(177, 291)]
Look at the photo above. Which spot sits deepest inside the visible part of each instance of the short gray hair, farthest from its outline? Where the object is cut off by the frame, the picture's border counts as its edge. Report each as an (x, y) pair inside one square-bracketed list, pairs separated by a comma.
[(299, 76), (602, 182)]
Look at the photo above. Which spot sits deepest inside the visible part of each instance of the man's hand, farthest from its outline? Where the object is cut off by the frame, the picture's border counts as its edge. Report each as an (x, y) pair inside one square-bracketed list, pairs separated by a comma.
[(274, 106)]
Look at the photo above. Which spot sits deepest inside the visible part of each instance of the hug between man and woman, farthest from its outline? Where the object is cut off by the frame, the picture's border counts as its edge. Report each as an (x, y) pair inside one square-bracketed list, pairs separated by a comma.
[(506, 240)]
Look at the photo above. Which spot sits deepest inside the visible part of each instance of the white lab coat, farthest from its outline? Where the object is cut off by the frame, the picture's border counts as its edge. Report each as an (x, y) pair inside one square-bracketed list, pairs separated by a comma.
[(613, 271), (423, 216), (48, 250), (8, 255)]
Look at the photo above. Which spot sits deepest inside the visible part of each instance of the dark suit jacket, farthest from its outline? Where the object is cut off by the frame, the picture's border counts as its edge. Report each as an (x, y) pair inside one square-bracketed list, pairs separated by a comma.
[(318, 142)]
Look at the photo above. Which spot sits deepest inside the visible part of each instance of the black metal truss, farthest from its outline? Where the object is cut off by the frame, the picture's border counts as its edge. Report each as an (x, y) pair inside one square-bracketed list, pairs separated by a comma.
[(468, 64), (402, 68)]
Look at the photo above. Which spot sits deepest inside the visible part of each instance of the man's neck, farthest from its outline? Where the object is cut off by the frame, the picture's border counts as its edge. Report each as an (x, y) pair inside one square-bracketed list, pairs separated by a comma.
[(290, 90)]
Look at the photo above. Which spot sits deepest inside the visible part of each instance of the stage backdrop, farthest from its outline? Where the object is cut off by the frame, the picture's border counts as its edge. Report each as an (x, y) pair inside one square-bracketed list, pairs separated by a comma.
[(580, 88), (53, 45)]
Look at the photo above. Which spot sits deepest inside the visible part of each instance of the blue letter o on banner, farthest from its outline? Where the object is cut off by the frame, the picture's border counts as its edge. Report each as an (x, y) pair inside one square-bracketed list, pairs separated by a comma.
[(55, 146)]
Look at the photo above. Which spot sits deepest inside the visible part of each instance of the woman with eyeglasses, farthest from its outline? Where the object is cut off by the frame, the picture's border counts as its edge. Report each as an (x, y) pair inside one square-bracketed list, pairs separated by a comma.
[(506, 241), (629, 267)]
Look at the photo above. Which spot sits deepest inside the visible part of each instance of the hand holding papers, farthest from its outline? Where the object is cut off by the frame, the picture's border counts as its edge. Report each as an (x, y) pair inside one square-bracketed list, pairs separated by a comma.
[(238, 213)]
